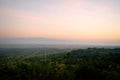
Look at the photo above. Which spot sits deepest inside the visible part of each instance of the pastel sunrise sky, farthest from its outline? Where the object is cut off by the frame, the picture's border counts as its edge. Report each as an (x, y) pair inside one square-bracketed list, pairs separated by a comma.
[(89, 20)]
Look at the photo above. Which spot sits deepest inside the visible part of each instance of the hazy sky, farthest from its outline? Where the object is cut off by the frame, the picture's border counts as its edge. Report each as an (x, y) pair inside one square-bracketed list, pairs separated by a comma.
[(92, 20)]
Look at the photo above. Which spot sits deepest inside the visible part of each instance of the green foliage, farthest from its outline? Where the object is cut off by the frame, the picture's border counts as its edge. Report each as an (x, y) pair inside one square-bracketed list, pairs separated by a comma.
[(81, 64)]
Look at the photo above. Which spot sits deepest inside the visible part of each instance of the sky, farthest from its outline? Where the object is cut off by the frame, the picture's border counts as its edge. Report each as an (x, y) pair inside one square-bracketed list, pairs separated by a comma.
[(78, 20)]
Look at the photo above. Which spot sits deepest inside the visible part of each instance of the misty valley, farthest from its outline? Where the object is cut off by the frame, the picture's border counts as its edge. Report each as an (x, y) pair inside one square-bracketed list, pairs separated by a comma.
[(59, 64), (59, 39)]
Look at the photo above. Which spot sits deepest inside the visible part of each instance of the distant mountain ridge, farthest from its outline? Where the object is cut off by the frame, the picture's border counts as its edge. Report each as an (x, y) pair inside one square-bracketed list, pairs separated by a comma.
[(48, 42)]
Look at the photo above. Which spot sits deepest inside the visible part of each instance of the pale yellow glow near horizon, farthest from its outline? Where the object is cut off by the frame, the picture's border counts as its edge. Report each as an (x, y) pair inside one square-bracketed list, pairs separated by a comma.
[(69, 19)]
